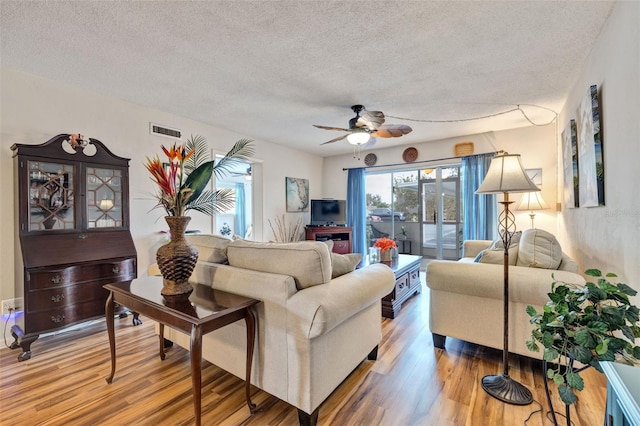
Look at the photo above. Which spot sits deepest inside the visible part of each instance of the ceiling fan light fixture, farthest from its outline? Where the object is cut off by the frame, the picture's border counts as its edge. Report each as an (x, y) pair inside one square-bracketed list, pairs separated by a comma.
[(358, 138)]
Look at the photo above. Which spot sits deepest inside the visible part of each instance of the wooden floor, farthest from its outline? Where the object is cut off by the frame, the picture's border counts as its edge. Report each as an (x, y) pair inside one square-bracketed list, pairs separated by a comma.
[(411, 383)]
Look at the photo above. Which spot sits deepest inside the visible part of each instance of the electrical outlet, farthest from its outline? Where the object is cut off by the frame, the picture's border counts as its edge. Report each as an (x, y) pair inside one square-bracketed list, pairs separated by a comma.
[(8, 306)]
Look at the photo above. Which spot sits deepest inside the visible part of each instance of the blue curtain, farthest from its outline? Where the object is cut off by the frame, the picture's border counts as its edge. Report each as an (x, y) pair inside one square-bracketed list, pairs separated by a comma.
[(240, 225), (479, 212), (357, 210)]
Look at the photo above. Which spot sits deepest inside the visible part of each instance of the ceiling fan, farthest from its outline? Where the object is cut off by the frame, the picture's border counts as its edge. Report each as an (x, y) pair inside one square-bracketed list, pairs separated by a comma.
[(365, 127)]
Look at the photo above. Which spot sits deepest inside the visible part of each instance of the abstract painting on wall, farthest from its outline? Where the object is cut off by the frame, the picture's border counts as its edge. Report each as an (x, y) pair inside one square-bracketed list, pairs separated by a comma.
[(297, 194), (590, 151), (570, 165)]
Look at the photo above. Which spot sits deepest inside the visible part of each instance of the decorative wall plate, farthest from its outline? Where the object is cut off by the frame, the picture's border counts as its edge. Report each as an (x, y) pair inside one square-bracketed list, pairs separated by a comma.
[(370, 159), (410, 155)]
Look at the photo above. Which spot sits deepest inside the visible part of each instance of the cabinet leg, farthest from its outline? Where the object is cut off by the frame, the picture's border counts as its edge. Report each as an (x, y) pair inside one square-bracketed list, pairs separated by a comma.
[(136, 319), (22, 341)]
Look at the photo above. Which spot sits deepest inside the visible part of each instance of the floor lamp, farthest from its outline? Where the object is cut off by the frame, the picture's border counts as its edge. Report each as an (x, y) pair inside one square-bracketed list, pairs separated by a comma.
[(532, 201), (506, 175)]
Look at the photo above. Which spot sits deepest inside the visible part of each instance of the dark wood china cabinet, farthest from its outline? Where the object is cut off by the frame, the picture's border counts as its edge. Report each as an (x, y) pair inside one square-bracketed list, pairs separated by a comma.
[(72, 231)]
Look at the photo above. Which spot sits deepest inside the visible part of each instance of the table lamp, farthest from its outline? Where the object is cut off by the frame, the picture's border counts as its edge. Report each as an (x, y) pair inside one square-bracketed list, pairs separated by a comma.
[(532, 201)]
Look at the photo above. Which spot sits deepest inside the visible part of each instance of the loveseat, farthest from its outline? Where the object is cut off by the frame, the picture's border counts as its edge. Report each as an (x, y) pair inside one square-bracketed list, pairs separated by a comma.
[(316, 323), (466, 297)]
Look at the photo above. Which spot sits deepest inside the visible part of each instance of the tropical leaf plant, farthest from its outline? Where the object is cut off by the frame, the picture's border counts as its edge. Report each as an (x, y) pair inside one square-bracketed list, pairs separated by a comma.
[(585, 323), (182, 184)]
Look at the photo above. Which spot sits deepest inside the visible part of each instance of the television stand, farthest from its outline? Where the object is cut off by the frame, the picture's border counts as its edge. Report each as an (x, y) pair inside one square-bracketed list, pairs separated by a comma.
[(340, 235)]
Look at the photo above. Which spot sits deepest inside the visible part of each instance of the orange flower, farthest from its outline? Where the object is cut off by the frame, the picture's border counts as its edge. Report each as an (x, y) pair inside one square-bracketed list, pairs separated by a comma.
[(385, 244), (173, 194), (182, 181)]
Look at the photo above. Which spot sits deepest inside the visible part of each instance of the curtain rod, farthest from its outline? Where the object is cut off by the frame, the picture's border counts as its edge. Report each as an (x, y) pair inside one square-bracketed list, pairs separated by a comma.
[(414, 162)]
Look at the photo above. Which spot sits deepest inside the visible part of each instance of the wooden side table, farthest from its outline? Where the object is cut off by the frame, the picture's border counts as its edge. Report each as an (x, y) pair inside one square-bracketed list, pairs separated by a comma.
[(197, 314)]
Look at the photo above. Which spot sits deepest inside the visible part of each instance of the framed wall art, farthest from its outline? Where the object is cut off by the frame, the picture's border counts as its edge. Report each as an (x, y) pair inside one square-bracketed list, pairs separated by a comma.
[(590, 151), (536, 176), (297, 194), (570, 165)]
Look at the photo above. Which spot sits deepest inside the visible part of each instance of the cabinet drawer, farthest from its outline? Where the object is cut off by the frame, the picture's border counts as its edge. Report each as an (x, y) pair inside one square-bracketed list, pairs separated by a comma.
[(50, 278), (414, 278), (402, 286), (61, 297), (341, 246), (39, 322)]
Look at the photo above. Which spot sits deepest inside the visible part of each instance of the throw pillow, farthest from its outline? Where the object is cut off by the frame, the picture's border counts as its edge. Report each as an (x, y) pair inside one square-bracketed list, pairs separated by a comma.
[(496, 256), (515, 240), (329, 244), (307, 262), (211, 248), (539, 249), (342, 264)]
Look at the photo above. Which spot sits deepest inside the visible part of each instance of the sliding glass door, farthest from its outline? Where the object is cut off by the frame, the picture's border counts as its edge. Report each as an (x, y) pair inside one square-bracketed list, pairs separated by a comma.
[(420, 209), (440, 216)]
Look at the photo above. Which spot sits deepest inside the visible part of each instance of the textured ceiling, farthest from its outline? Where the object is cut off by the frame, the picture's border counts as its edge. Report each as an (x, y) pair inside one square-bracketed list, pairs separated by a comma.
[(272, 69)]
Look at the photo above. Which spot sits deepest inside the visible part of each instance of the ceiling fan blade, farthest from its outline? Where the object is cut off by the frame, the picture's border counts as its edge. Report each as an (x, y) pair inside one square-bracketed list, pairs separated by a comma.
[(392, 131), (331, 128), (370, 119), (335, 140), (369, 144)]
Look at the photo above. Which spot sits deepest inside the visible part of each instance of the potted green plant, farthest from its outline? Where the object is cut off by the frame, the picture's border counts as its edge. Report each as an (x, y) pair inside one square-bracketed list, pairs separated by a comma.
[(403, 233), (584, 323)]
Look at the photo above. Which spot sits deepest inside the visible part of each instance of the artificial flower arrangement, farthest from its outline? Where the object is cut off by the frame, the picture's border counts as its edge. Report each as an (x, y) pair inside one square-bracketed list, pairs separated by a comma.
[(182, 181), (385, 244)]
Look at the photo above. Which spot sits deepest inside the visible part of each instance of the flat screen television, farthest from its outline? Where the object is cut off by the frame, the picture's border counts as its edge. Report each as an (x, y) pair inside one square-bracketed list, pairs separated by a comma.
[(328, 212)]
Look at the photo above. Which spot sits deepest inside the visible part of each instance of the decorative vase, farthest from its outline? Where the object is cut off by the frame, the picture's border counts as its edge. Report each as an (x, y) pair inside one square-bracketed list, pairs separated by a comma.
[(385, 255), (49, 222), (177, 258)]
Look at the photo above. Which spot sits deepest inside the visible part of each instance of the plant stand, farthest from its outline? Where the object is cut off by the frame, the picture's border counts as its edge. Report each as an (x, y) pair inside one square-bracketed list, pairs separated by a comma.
[(567, 412)]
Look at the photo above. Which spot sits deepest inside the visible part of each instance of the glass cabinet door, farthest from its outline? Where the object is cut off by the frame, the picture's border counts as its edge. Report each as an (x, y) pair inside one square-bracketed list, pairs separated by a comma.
[(50, 196), (104, 198)]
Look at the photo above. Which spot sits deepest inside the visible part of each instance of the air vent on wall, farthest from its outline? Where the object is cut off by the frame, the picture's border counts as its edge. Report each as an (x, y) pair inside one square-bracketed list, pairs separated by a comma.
[(167, 132)]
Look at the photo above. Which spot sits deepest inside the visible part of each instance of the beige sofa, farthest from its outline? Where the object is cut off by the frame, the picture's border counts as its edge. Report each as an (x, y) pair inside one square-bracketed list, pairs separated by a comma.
[(312, 329), (466, 297)]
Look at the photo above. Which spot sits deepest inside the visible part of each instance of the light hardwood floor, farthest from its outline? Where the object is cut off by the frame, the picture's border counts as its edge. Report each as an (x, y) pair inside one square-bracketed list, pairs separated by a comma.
[(411, 383)]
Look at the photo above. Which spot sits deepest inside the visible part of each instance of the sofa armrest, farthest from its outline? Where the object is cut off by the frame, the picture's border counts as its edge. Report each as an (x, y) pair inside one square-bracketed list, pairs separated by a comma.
[(316, 310), (471, 248), (526, 285), (568, 264)]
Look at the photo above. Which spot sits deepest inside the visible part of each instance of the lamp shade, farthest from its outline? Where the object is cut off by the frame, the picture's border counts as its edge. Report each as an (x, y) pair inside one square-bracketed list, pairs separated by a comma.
[(531, 201), (358, 138), (105, 204), (506, 175)]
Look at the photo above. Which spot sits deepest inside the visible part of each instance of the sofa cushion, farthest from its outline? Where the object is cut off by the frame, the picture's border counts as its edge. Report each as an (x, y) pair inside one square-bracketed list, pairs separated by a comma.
[(308, 262), (496, 255), (515, 241), (344, 263), (211, 248), (539, 249)]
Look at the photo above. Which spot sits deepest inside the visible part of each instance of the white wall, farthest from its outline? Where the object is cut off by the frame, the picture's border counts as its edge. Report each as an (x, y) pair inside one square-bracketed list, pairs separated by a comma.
[(33, 110), (536, 145), (608, 237)]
